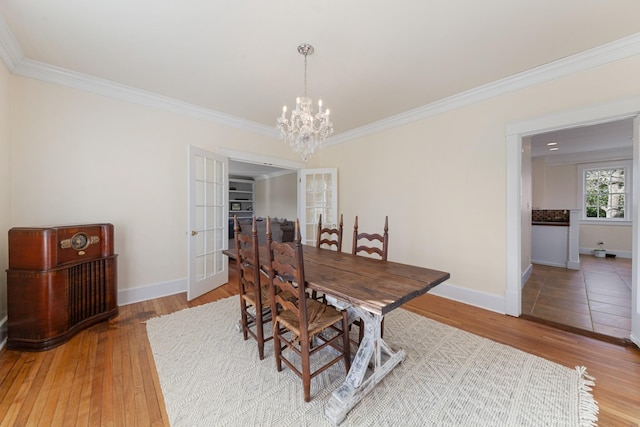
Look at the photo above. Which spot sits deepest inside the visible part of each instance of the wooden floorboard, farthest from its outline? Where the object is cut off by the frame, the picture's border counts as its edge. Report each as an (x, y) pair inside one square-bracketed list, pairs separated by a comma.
[(106, 375)]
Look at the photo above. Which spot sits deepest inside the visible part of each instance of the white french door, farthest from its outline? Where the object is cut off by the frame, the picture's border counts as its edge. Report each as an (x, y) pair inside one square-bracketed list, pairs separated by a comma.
[(317, 195), (207, 223)]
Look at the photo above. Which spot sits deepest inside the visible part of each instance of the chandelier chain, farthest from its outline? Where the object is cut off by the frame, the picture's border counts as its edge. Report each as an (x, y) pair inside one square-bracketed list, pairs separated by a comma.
[(305, 75)]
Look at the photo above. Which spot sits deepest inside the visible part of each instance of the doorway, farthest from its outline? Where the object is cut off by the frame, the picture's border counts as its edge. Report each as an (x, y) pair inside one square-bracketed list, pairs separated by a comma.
[(595, 297), (518, 229)]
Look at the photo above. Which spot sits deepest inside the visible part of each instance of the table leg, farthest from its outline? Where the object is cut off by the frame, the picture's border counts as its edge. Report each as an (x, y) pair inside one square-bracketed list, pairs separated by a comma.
[(370, 354)]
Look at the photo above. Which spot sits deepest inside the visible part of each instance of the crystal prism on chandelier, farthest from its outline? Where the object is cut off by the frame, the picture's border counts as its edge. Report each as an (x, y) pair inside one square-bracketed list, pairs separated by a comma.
[(305, 131)]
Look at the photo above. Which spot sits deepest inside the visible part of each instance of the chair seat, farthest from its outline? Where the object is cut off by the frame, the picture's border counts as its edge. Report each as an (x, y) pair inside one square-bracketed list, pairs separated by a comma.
[(265, 296), (319, 317)]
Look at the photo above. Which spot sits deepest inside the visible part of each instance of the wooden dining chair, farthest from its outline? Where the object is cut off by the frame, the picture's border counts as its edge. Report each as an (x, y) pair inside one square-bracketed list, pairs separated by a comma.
[(301, 323), (372, 244), (255, 305), (328, 236)]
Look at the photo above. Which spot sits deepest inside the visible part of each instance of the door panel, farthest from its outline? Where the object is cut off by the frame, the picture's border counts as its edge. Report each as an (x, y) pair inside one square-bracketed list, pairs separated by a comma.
[(208, 230), (317, 194)]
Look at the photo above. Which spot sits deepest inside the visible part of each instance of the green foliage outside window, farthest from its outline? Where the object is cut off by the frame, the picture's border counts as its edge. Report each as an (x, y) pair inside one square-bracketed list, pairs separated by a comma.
[(605, 193)]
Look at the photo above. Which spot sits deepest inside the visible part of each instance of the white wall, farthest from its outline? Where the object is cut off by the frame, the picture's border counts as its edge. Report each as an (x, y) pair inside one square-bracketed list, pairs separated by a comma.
[(277, 196), (442, 180), (84, 158), (5, 190)]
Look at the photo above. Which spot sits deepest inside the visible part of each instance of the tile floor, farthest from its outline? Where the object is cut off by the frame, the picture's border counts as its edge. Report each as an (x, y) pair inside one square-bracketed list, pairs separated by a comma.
[(596, 298)]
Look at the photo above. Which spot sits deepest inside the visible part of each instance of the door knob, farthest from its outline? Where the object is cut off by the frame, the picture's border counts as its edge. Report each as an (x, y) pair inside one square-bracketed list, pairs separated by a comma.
[(194, 232)]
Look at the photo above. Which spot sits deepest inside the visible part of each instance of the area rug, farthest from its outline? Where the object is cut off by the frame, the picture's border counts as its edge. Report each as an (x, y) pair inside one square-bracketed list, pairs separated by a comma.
[(210, 376)]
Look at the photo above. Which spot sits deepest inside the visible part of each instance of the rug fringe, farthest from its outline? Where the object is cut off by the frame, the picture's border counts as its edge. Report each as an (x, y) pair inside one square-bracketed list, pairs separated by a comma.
[(588, 406)]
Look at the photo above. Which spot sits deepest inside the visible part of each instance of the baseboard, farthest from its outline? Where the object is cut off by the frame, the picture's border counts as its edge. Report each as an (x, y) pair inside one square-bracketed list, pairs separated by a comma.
[(619, 254), (550, 264), (526, 275), (468, 296), (4, 332), (572, 265), (145, 293)]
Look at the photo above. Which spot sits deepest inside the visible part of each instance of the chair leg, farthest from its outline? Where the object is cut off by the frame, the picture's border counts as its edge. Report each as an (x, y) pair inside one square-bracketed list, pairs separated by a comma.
[(277, 346), (243, 317), (306, 370), (260, 332)]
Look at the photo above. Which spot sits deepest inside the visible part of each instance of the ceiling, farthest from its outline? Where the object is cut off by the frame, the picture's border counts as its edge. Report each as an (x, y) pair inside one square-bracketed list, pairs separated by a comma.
[(610, 136), (254, 170), (373, 59)]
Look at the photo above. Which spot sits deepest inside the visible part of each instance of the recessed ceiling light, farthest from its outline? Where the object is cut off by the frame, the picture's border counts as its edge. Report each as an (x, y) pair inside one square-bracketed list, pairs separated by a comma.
[(552, 143), (553, 149)]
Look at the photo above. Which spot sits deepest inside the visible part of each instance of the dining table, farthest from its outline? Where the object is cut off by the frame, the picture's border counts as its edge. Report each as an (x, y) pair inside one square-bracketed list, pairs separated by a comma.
[(368, 288)]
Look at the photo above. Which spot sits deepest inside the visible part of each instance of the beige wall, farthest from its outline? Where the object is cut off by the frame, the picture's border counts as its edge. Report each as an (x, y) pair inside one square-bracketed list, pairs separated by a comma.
[(561, 187), (277, 196), (83, 158), (79, 157), (5, 185), (442, 180), (616, 239)]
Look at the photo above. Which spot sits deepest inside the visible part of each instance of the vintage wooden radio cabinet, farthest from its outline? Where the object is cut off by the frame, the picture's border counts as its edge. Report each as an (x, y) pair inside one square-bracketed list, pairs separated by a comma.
[(60, 281)]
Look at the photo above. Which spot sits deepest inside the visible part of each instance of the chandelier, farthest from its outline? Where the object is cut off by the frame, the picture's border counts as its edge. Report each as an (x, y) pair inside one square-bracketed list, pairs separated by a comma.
[(305, 131)]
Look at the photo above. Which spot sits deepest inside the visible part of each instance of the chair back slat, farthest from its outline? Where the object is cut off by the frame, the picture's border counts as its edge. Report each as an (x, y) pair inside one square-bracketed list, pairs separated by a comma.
[(286, 275), (328, 236), (247, 257), (378, 244)]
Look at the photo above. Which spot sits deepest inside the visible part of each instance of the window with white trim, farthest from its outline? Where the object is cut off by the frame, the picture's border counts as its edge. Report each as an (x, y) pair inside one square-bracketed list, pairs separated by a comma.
[(606, 191)]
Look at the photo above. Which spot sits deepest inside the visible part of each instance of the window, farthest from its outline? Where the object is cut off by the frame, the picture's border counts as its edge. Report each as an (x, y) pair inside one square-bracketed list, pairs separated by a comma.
[(606, 193)]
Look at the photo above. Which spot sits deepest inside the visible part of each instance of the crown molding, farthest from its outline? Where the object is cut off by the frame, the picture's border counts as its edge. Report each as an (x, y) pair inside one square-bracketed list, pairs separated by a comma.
[(83, 82), (13, 57), (10, 51), (601, 55)]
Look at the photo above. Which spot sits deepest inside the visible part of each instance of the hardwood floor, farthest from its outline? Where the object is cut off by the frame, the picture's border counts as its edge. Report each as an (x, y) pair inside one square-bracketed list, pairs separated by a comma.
[(596, 298), (105, 375)]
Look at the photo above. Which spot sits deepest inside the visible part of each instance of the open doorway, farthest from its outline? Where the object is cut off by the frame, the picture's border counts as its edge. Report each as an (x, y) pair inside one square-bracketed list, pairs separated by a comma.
[(272, 190), (592, 296), (518, 225)]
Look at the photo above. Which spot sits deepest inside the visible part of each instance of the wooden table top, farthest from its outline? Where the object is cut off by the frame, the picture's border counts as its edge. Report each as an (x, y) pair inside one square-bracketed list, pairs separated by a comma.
[(375, 285)]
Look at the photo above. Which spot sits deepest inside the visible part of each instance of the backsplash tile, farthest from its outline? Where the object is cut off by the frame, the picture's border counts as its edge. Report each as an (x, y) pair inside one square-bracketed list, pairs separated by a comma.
[(547, 215)]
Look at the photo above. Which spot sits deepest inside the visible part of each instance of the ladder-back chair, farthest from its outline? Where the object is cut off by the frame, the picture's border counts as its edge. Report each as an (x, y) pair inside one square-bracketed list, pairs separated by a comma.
[(372, 244), (300, 323), (255, 305)]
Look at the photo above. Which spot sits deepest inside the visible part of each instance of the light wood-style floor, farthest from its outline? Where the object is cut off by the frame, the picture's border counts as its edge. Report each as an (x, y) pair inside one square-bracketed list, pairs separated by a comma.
[(105, 375), (596, 298)]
